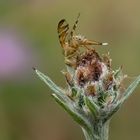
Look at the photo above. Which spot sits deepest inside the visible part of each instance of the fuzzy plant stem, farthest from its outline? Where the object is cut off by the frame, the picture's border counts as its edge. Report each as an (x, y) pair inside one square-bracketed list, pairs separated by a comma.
[(100, 132)]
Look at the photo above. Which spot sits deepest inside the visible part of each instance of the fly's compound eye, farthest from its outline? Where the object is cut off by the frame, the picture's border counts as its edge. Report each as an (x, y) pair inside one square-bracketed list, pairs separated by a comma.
[(78, 38)]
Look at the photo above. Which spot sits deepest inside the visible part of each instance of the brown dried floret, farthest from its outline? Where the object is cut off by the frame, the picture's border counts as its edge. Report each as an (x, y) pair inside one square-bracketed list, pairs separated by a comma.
[(89, 67), (90, 90), (106, 59), (108, 81), (88, 57)]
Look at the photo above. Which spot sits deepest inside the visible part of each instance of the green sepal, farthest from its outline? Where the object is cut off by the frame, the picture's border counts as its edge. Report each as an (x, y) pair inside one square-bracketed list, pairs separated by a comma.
[(111, 113), (93, 107), (74, 92), (130, 89)]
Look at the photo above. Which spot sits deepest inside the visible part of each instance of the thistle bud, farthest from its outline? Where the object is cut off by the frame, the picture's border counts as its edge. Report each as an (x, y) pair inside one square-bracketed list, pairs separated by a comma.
[(94, 78)]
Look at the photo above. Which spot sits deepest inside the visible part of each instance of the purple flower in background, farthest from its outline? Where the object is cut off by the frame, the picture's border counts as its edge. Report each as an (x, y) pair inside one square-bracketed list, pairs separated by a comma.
[(14, 55)]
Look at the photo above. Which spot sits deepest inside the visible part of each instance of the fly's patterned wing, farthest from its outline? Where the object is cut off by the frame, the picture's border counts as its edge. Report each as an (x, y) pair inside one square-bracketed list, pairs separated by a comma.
[(62, 30), (74, 27)]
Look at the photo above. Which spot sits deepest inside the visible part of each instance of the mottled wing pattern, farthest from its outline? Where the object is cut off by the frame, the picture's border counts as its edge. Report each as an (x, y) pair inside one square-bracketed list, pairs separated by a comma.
[(62, 29), (74, 27)]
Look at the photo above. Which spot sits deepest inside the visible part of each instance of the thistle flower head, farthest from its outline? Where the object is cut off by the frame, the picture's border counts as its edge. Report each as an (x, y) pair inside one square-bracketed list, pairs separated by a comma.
[(94, 79)]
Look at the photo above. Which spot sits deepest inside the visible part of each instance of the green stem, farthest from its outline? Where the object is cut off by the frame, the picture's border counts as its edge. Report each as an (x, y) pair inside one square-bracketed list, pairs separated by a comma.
[(100, 132)]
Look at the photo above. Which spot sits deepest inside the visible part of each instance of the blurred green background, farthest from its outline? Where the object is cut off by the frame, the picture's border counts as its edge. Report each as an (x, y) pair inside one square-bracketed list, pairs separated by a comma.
[(28, 38)]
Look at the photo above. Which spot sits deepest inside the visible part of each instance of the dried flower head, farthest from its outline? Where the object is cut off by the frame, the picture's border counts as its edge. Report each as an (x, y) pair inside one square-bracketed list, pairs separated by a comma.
[(94, 76)]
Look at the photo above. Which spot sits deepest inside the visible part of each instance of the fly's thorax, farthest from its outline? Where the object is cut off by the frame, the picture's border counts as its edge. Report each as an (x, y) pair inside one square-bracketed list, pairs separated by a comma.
[(81, 40)]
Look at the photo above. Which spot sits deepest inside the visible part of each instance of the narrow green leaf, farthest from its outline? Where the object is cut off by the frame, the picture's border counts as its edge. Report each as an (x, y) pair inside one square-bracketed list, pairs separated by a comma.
[(92, 107), (82, 121), (58, 91), (109, 116), (130, 89)]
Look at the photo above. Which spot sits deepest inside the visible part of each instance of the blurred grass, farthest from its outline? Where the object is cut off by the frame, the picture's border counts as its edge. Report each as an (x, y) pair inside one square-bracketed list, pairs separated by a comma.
[(27, 112)]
